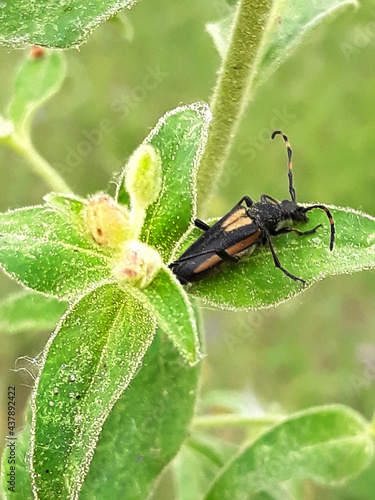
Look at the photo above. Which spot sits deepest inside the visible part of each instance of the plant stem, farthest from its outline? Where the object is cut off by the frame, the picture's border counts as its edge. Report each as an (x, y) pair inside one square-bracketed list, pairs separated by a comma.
[(41, 167), (232, 91), (233, 420), (137, 217)]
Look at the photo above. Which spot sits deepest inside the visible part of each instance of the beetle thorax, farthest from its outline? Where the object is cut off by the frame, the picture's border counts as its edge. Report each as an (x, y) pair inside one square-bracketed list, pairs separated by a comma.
[(274, 216)]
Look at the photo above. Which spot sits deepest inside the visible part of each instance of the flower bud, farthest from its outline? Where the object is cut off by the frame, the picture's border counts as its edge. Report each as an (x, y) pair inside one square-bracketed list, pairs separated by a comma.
[(143, 176), (137, 265), (106, 221)]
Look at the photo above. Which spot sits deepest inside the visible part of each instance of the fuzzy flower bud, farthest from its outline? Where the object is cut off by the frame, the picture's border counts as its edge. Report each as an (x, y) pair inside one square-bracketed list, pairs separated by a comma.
[(137, 265), (143, 176), (143, 182), (106, 221)]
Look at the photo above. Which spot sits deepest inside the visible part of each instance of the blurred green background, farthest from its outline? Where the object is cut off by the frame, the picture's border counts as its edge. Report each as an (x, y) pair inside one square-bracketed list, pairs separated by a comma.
[(316, 349)]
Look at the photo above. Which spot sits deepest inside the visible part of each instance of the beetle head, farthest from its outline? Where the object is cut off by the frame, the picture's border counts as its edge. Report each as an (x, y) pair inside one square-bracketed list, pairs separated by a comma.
[(293, 211)]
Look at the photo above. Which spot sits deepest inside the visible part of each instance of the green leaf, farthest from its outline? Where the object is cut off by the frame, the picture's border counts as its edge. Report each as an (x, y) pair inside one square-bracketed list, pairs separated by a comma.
[(220, 32), (363, 487), (202, 457), (38, 79), (254, 282), (47, 249), (291, 21), (124, 25), (56, 23), (329, 445), (159, 403), (145, 428), (179, 137), (174, 313), (88, 363), (297, 18), (28, 311)]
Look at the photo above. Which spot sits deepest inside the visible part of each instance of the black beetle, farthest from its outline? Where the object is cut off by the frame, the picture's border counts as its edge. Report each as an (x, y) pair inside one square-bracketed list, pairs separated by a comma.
[(245, 228)]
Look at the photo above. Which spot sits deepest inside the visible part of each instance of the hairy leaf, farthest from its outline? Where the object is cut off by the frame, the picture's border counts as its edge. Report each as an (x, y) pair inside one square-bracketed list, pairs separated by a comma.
[(54, 23), (29, 311), (329, 445), (291, 21), (38, 79), (47, 248), (173, 312), (146, 426), (88, 363)]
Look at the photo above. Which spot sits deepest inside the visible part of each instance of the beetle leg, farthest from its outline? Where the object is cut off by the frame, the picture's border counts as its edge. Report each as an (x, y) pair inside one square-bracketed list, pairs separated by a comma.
[(279, 266), (285, 230), (247, 200), (201, 225), (226, 256), (265, 198), (310, 231)]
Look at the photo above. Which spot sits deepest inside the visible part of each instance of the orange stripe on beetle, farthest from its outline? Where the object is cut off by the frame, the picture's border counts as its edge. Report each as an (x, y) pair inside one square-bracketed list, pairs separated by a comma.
[(238, 214), (242, 222)]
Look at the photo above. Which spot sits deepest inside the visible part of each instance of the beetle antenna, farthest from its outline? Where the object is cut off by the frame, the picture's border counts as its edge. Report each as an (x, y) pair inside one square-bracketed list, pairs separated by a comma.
[(330, 218), (292, 191)]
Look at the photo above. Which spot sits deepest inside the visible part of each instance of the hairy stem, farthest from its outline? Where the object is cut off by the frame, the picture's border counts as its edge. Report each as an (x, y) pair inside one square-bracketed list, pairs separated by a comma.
[(41, 167), (253, 19)]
